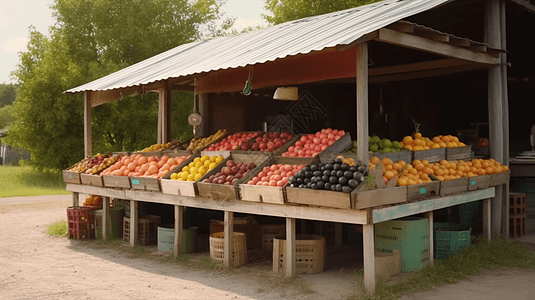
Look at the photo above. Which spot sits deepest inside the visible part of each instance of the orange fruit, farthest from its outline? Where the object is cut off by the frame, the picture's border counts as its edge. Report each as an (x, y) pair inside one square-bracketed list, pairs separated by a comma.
[(408, 147), (402, 163), (419, 167), (374, 159), (387, 161), (407, 140), (397, 166), (440, 178), (389, 175), (481, 172), (402, 181), (418, 135)]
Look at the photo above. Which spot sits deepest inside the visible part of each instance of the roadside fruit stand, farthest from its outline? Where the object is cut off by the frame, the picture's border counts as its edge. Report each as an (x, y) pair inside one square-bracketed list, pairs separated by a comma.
[(320, 175)]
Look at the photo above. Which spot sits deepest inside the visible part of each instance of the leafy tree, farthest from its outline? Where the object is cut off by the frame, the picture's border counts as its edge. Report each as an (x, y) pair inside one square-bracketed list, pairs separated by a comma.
[(8, 92), (91, 39), (6, 116), (288, 10)]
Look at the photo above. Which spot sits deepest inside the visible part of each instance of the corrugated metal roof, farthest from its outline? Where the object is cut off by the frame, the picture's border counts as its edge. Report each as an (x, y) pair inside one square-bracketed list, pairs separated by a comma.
[(279, 41)]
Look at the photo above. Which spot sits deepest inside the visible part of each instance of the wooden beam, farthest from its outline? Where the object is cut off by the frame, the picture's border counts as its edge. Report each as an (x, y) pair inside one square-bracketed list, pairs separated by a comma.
[(402, 26), (184, 88), (161, 103), (88, 141), (362, 102), (460, 42), (101, 97), (179, 230), (420, 66), (106, 219), (429, 216), (419, 43), (427, 73), (478, 47), (363, 39), (369, 257), (265, 209), (290, 247), (487, 229), (133, 222), (204, 111), (439, 37), (495, 106), (505, 115), (228, 259), (525, 5), (75, 199), (409, 209)]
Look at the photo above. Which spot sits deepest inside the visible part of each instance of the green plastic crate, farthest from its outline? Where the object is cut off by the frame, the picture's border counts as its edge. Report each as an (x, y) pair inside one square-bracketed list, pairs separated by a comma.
[(408, 235), (450, 238)]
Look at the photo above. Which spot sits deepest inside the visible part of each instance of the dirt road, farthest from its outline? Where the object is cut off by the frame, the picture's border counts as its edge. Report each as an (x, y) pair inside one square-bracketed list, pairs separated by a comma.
[(34, 265)]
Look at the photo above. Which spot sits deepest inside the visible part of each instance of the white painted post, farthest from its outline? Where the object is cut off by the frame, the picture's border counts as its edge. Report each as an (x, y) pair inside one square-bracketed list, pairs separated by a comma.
[(429, 216), (228, 247), (290, 255), (362, 102), (369, 257), (179, 229), (133, 222), (487, 229)]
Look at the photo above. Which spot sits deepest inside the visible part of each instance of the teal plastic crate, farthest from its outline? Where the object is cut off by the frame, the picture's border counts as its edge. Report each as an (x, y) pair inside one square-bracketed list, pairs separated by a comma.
[(408, 235), (450, 238)]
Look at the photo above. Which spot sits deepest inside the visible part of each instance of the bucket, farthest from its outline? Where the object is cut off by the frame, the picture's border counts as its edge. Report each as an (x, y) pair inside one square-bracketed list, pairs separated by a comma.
[(166, 239), (115, 219)]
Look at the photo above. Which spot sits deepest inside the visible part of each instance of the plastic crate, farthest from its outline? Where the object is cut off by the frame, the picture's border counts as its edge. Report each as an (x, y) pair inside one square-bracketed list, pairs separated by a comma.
[(269, 232), (450, 238), (408, 235), (81, 222), (147, 230), (239, 249), (166, 239), (309, 251)]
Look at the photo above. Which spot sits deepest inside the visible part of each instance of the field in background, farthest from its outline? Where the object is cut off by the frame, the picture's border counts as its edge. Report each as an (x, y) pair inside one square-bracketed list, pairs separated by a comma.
[(16, 181)]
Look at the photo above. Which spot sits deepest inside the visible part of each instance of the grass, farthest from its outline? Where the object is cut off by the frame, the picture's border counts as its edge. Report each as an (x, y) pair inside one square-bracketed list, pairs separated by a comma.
[(58, 229), (17, 181), (482, 255)]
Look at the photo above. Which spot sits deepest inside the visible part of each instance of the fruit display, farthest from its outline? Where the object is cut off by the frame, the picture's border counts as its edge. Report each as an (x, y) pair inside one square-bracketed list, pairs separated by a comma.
[(253, 141), (167, 146), (334, 175), (95, 164), (404, 173), (197, 144), (483, 142), (376, 144), (419, 142), (144, 166), (94, 201), (312, 144), (197, 168), (230, 173), (275, 175)]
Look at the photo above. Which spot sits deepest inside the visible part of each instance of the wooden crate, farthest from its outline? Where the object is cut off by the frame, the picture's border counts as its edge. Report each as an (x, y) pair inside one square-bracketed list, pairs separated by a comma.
[(366, 199), (423, 190), (145, 183), (116, 181), (387, 265), (270, 232), (147, 234), (499, 178), (310, 254), (228, 192), (180, 188), (338, 146), (478, 182), (454, 186), (71, 177), (239, 248), (267, 194), (206, 146), (431, 155), (318, 197), (93, 180), (404, 155), (459, 153)]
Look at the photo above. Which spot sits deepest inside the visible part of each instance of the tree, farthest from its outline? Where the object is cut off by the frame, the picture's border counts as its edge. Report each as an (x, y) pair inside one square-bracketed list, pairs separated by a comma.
[(288, 10), (8, 92), (91, 39)]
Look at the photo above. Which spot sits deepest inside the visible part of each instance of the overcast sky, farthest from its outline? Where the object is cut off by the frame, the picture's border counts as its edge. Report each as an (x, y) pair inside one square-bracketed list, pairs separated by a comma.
[(16, 16)]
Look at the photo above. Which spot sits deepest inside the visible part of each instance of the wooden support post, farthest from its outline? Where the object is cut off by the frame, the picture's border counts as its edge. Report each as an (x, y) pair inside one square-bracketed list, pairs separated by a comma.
[(429, 216), (505, 112), (133, 222), (75, 199), (160, 117), (163, 114), (88, 142), (106, 218), (179, 229), (228, 246), (369, 257), (492, 34), (204, 111), (169, 115), (290, 247), (487, 230), (362, 102), (338, 235)]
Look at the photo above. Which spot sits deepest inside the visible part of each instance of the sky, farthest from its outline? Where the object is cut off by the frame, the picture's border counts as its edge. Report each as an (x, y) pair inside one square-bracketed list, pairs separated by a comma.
[(16, 16)]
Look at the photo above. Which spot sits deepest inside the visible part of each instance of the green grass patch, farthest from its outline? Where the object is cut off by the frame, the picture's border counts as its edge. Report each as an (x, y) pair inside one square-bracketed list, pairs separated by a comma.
[(58, 229), (19, 181), (480, 256)]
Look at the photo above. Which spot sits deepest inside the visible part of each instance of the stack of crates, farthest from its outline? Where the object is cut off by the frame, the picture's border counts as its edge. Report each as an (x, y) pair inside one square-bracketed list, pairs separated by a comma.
[(517, 214), (450, 238), (408, 235), (81, 222), (147, 230)]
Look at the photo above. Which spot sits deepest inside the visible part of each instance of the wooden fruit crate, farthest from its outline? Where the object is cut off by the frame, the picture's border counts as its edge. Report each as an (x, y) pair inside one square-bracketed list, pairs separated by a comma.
[(431, 155), (404, 155), (206, 146), (373, 198), (116, 181), (228, 192), (459, 153), (499, 178), (338, 146), (93, 180), (310, 253), (454, 186), (180, 188), (267, 194), (318, 197), (424, 190), (145, 183), (71, 177), (478, 182)]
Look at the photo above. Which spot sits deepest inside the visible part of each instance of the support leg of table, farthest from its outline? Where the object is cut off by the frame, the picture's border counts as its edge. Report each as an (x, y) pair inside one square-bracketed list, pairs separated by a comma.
[(133, 222), (338, 235), (290, 247), (429, 216), (179, 229), (75, 199), (106, 220), (228, 232), (369, 258), (486, 218)]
